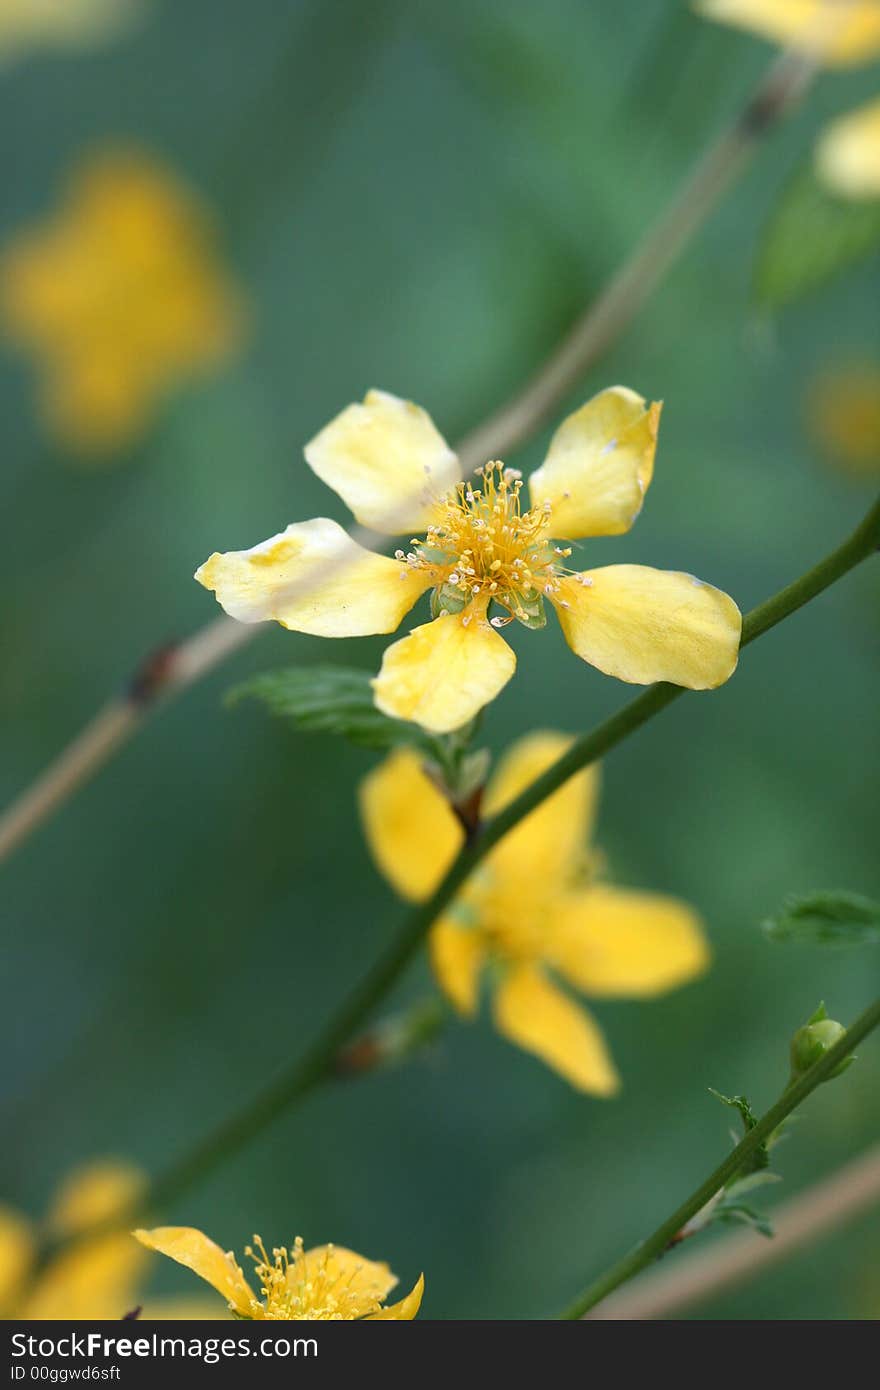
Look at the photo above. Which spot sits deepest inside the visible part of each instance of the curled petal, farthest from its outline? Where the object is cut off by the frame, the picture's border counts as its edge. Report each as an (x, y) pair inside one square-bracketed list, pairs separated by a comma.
[(599, 465), (387, 461), (314, 578), (457, 956), (539, 1017), (444, 672), (410, 827), (840, 35), (848, 154), (643, 625), (197, 1252), (406, 1309), (617, 942)]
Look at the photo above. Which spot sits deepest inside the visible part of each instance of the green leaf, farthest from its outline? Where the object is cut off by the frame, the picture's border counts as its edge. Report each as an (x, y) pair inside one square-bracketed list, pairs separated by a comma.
[(761, 1157), (328, 700), (810, 238), (826, 919)]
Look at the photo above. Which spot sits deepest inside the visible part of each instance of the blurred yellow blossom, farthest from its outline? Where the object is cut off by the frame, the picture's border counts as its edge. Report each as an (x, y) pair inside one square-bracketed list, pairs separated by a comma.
[(97, 1277), (843, 414), (481, 550), (535, 908), (26, 24), (326, 1284), (117, 297), (848, 154), (842, 33)]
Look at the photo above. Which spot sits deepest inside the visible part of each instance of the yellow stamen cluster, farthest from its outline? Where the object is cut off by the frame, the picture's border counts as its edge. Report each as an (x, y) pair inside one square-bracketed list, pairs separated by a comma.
[(297, 1287), (484, 548)]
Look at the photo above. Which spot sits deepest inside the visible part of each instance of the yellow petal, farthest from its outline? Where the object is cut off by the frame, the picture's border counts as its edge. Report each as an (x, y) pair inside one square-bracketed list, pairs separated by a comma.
[(613, 941), (362, 1282), (406, 1309), (94, 1193), (191, 1248), (457, 956), (314, 578), (552, 841), (843, 411), (599, 465), (848, 154), (95, 1279), (538, 1016), (644, 625), (183, 1310), (16, 1255), (444, 672), (410, 828), (841, 34), (387, 462)]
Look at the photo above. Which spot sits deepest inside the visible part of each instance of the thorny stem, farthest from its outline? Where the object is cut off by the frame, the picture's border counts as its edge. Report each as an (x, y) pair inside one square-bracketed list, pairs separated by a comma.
[(180, 665), (650, 1249)]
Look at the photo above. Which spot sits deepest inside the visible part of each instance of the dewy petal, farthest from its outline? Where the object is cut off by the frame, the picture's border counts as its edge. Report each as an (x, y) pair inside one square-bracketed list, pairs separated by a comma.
[(599, 465), (552, 841), (539, 1017), (197, 1252), (387, 461), (365, 1281), (843, 40), (410, 827), (457, 955), (16, 1257), (848, 154), (618, 942), (444, 672), (644, 625), (406, 1309), (314, 578)]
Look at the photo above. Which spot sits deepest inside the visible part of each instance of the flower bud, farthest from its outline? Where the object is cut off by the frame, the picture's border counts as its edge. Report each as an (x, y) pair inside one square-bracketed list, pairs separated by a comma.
[(813, 1040)]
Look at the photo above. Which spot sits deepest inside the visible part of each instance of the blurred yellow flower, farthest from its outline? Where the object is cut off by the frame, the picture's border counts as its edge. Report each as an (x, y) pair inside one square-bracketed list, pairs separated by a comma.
[(848, 154), (842, 33), (394, 470), (118, 297), (535, 906), (843, 413), (98, 1277), (28, 24), (326, 1284)]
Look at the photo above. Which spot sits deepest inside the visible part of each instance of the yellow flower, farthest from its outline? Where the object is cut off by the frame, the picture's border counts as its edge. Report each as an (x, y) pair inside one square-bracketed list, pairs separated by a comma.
[(326, 1284), (482, 551), (844, 416), (63, 23), (118, 297), (98, 1277), (841, 33), (848, 154), (535, 908)]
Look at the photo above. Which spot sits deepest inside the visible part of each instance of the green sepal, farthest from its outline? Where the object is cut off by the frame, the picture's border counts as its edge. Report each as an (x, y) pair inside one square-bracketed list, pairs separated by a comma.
[(447, 598)]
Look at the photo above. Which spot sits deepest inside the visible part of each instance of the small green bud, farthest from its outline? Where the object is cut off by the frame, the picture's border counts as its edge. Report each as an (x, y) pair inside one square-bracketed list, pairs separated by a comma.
[(811, 1043)]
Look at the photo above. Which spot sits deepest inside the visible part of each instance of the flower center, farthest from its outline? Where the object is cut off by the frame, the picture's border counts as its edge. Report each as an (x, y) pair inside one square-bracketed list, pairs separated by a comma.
[(301, 1287), (484, 548)]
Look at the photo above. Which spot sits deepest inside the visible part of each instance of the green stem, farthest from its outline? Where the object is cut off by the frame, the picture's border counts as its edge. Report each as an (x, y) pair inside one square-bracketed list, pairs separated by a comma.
[(318, 1061), (650, 1249)]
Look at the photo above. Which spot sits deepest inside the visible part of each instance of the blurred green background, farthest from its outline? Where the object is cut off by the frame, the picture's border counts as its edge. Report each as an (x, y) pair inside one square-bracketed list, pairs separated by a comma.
[(422, 196)]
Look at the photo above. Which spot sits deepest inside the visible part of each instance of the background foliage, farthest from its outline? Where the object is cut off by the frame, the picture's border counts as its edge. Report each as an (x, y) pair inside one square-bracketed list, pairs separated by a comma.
[(421, 197)]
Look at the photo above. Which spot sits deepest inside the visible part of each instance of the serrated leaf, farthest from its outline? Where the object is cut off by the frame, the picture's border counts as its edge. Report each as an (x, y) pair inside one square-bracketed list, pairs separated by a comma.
[(810, 238), (761, 1156), (826, 919), (328, 700), (737, 1212)]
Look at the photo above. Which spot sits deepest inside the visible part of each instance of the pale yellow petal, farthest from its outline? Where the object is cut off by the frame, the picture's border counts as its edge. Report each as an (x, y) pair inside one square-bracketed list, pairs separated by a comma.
[(406, 1309), (444, 672), (16, 1255), (94, 1193), (644, 625), (457, 956), (599, 465), (848, 154), (538, 1016), (97, 1278), (409, 825), (344, 1275), (191, 1248), (387, 461), (314, 578), (616, 941), (842, 33), (551, 842)]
